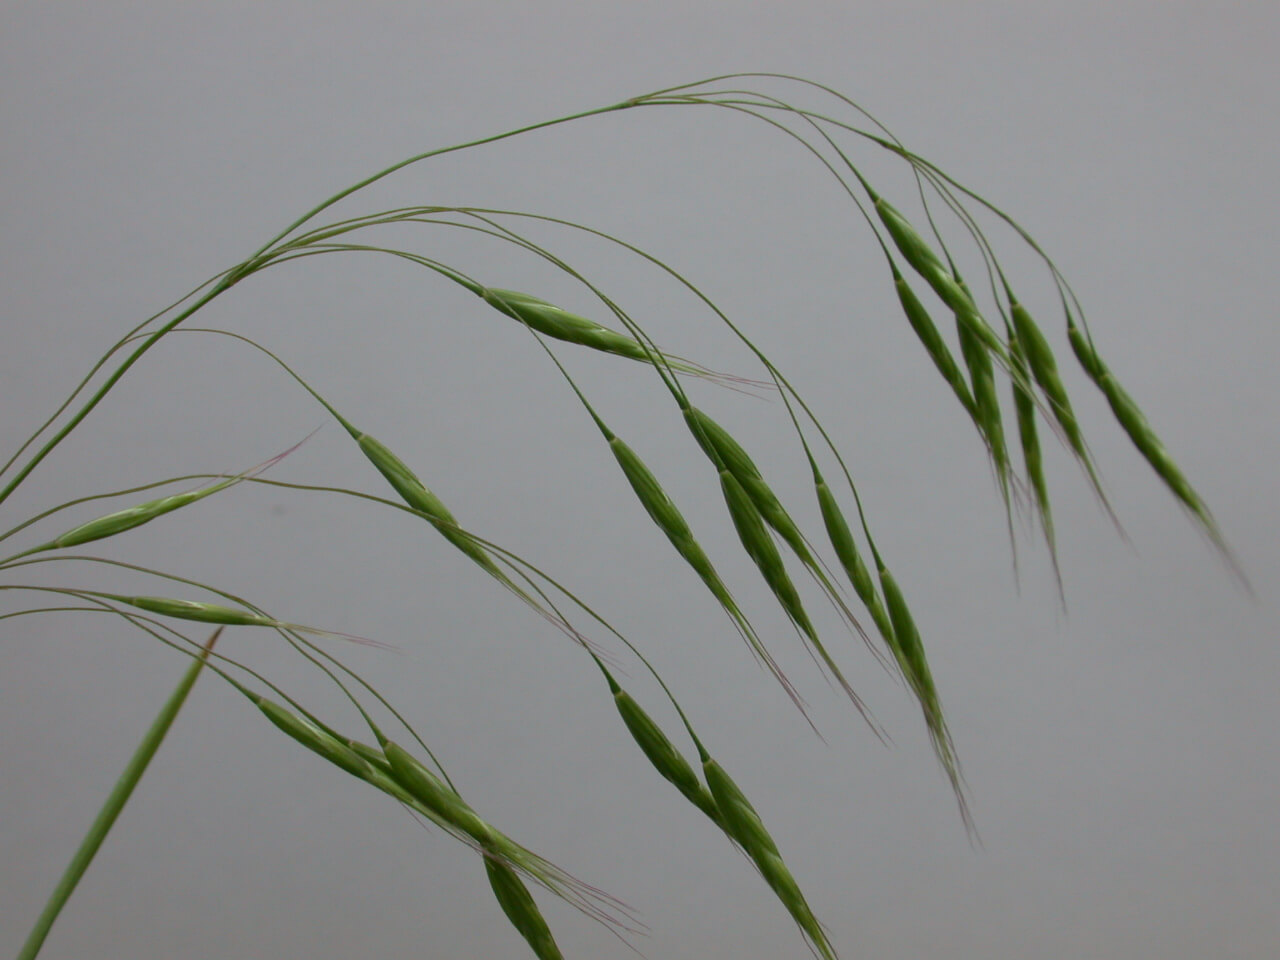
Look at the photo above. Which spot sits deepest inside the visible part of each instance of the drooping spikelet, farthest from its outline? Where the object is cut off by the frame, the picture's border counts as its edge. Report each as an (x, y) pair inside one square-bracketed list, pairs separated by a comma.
[(1024, 406), (850, 559), (764, 554), (559, 324), (122, 520), (521, 909), (672, 523), (415, 493), (198, 611), (915, 667), (435, 794), (666, 759), (977, 358), (930, 267), (315, 739), (932, 340), (744, 826), (729, 456), (1044, 369), (1134, 423)]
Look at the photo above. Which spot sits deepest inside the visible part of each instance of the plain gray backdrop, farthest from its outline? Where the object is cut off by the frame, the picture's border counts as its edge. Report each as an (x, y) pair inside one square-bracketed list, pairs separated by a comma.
[(1122, 755)]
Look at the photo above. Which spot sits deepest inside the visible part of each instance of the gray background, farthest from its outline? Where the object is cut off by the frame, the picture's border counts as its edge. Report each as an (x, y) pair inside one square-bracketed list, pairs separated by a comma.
[(1122, 757)]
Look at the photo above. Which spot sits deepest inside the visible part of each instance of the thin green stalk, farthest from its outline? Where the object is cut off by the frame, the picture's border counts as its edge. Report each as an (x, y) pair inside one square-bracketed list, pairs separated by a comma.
[(435, 153), (111, 382), (133, 772), (252, 263)]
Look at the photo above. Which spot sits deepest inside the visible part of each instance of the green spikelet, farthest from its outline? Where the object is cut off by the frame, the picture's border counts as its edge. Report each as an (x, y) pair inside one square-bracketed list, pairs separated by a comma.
[(433, 793), (982, 376), (673, 525), (1025, 409), (559, 324), (725, 452), (122, 520), (198, 611), (671, 522), (763, 551), (415, 493), (1134, 423), (850, 559), (315, 739), (926, 263), (720, 446), (915, 667), (666, 759), (519, 906), (1044, 368), (764, 554), (744, 826), (933, 343)]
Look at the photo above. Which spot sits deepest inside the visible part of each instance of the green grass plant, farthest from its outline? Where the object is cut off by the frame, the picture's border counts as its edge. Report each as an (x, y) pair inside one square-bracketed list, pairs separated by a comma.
[(830, 128)]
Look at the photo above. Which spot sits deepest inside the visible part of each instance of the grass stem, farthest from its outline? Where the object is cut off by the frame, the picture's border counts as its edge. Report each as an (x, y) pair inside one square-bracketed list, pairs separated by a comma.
[(119, 796)]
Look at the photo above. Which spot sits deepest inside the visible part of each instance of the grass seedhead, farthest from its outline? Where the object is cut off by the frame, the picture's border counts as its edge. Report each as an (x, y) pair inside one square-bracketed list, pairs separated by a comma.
[(676, 529), (855, 567), (1085, 353), (127, 519), (415, 493), (666, 759), (198, 611), (763, 524), (933, 343), (1024, 406), (552, 321), (721, 448), (915, 667), (519, 906), (982, 376), (136, 516), (917, 251), (764, 554), (559, 324), (762, 550), (315, 739), (949, 289), (434, 794), (743, 825), (1044, 368), (1134, 423), (724, 451)]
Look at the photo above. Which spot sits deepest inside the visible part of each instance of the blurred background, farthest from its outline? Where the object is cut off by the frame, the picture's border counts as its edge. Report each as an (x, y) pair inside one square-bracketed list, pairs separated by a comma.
[(1122, 753)]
